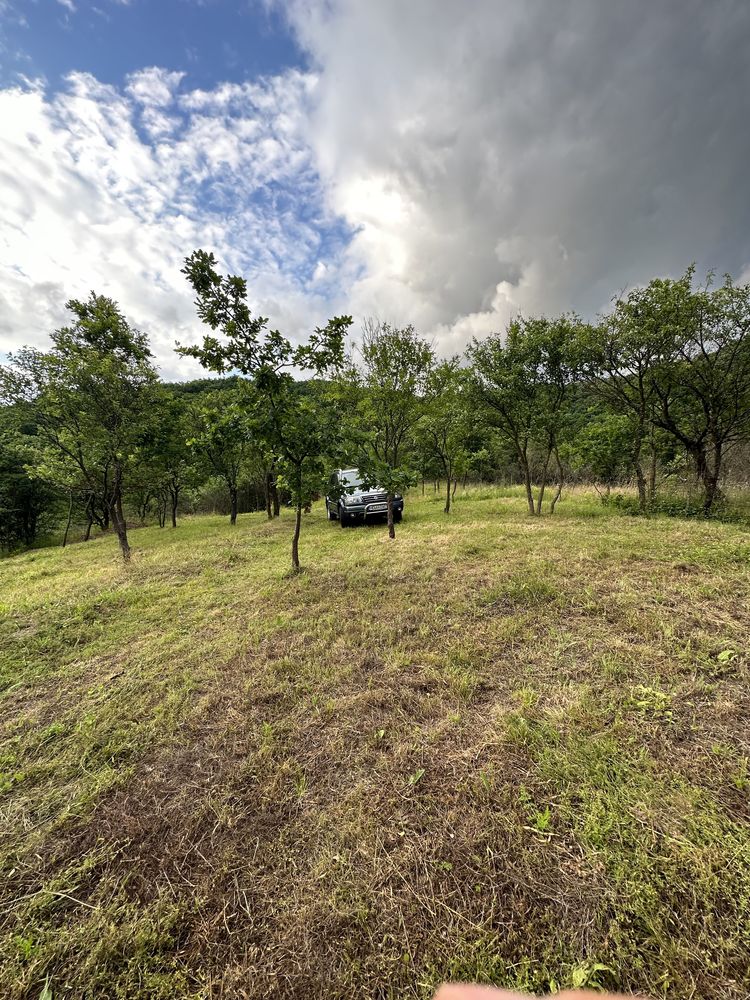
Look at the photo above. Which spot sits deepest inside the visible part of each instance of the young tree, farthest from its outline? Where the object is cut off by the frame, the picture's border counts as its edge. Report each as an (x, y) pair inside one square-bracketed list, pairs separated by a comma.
[(306, 426), (444, 426), (390, 382), (620, 357), (222, 436), (172, 457), (601, 448), (697, 381), (286, 426), (88, 399), (525, 381)]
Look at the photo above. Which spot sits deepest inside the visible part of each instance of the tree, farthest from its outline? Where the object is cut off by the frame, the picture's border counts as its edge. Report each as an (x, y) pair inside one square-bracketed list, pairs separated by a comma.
[(602, 445), (27, 504), (286, 425), (525, 382), (698, 379), (222, 435), (443, 427), (621, 353), (88, 399), (391, 381), (678, 359), (273, 503), (171, 457), (307, 427)]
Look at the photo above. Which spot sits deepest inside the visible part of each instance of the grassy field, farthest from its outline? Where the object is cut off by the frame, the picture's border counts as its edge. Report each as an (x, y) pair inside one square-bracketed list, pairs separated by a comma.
[(497, 748)]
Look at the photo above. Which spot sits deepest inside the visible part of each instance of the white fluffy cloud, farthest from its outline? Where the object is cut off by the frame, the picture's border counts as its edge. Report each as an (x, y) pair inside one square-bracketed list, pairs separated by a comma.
[(109, 189)]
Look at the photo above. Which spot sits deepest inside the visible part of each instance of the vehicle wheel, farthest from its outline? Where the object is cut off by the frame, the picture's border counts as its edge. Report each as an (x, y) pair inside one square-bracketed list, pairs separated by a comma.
[(329, 512), (343, 518), (397, 515)]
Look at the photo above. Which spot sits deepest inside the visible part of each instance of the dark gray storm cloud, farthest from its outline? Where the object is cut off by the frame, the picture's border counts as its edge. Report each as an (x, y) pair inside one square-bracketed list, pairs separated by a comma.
[(530, 155)]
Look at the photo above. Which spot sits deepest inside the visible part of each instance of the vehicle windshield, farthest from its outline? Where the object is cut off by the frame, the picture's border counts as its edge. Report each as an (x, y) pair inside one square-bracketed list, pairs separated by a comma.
[(350, 477)]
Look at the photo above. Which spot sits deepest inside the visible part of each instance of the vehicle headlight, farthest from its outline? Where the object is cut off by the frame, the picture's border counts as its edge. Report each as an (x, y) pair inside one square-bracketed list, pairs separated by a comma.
[(348, 500)]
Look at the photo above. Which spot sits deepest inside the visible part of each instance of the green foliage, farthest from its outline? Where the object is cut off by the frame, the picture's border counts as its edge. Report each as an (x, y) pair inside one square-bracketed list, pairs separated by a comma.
[(28, 505), (659, 388), (389, 386), (447, 423), (602, 445), (87, 399), (166, 466), (524, 380), (289, 425), (678, 357), (222, 435)]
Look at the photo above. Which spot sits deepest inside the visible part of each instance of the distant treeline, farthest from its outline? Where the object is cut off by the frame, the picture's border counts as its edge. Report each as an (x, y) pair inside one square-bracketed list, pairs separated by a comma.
[(655, 393)]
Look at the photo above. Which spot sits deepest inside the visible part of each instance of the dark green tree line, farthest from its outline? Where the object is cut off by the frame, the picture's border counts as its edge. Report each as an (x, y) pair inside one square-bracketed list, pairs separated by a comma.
[(657, 388)]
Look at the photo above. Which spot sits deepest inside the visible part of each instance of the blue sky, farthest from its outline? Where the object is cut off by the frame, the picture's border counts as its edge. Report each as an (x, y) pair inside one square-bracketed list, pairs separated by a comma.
[(436, 163), (169, 113), (211, 40)]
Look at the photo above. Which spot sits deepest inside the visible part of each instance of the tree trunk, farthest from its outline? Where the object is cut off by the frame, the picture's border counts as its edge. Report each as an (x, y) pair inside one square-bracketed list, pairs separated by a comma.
[(142, 508), (174, 496), (93, 514), (524, 462), (710, 479), (118, 519), (391, 526), (543, 484), (122, 537), (447, 508), (710, 493), (455, 484), (275, 498), (641, 483), (560, 480), (268, 489), (652, 477), (295, 538), (233, 501), (89, 519), (70, 518)]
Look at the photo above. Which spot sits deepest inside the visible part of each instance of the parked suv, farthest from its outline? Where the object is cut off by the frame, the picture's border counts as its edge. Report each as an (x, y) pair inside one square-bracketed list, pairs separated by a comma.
[(350, 498)]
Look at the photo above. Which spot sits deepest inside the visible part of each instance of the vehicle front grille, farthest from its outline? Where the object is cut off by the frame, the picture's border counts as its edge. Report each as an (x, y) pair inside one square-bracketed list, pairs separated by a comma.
[(374, 498)]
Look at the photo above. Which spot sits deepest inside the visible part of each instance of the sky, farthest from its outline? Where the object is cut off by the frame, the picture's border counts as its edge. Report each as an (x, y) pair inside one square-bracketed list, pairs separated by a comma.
[(444, 164)]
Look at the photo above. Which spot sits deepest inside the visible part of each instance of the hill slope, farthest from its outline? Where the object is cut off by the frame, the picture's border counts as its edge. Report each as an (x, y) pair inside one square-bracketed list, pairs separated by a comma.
[(497, 748)]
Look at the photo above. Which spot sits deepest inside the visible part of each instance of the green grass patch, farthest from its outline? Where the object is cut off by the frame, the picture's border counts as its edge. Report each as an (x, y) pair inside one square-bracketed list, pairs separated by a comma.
[(498, 748)]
